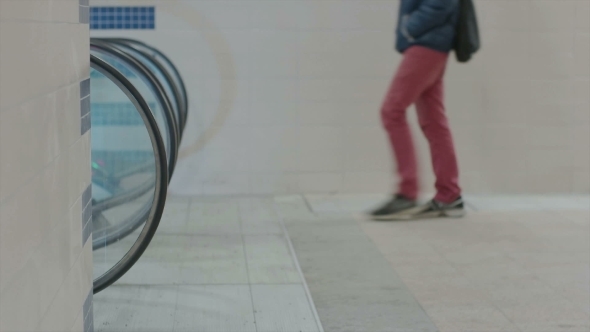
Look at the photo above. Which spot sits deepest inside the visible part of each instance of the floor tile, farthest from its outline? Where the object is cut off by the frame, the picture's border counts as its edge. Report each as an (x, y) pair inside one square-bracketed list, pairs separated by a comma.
[(544, 311), (282, 308), (177, 199), (294, 209), (213, 217), (135, 308), (214, 309), (434, 271), (359, 203), (535, 260), (259, 216), (482, 273), (173, 259), (175, 218), (213, 260), (270, 260), (375, 318), (557, 326), (328, 204), (581, 217), (470, 318), (353, 286), (445, 290)]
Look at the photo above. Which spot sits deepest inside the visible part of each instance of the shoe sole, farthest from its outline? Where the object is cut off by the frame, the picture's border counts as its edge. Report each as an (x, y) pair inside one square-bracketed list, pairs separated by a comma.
[(453, 214), (388, 217)]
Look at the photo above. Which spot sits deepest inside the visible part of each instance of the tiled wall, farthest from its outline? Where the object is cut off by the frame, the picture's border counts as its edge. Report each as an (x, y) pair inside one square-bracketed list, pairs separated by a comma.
[(118, 17), (45, 262), (301, 83)]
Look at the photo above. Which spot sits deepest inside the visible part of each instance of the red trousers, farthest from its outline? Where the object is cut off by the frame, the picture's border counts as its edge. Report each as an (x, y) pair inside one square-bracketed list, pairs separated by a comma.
[(419, 81)]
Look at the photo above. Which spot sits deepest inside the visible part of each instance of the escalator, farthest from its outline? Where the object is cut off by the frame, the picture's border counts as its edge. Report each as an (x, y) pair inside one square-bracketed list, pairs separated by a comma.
[(139, 108)]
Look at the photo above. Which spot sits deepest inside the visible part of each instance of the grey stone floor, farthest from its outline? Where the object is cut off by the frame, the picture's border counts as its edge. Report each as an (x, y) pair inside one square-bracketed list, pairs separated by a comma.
[(237, 264)]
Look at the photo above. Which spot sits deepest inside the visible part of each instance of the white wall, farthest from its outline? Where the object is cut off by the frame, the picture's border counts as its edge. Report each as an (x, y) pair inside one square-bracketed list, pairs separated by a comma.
[(301, 83), (45, 270)]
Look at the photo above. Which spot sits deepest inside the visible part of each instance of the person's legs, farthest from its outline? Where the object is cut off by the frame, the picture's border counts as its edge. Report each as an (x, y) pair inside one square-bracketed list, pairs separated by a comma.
[(419, 70), (434, 124)]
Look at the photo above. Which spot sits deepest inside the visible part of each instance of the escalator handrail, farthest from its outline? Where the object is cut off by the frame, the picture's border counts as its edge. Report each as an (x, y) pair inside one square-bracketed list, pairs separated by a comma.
[(161, 172), (175, 90), (172, 66), (159, 91)]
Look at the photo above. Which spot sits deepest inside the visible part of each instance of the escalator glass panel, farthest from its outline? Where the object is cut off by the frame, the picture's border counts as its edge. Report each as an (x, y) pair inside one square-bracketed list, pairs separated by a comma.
[(154, 68), (144, 86), (182, 97), (128, 186)]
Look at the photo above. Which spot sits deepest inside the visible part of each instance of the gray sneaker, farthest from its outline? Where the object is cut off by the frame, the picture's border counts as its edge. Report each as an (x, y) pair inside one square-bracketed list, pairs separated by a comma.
[(388, 211), (434, 209)]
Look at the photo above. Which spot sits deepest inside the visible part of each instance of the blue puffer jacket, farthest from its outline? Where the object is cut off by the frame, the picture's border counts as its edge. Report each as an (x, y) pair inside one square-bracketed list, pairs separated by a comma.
[(428, 23)]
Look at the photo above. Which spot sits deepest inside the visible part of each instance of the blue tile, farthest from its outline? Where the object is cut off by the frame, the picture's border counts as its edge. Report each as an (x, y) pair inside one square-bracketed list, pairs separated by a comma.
[(84, 14), (85, 88), (86, 233), (89, 320), (87, 304), (84, 106), (123, 18), (86, 215), (85, 124), (86, 196)]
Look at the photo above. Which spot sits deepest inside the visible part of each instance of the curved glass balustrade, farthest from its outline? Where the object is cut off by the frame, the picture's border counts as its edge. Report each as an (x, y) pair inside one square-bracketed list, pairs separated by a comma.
[(175, 76), (138, 112), (160, 72)]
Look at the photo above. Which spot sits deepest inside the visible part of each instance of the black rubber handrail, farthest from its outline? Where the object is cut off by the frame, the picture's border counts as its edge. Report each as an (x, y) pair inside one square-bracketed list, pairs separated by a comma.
[(168, 76), (159, 92), (169, 63), (156, 210)]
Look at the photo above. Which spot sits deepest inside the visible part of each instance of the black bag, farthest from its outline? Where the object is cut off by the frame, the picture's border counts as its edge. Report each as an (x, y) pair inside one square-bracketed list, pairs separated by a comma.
[(467, 38)]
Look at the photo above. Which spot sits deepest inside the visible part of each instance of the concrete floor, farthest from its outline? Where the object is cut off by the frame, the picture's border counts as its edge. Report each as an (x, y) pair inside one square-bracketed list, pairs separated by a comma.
[(254, 264), (214, 265)]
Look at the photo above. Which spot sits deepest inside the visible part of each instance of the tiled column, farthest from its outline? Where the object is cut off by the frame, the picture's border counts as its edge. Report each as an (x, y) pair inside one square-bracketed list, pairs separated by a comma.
[(45, 252)]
